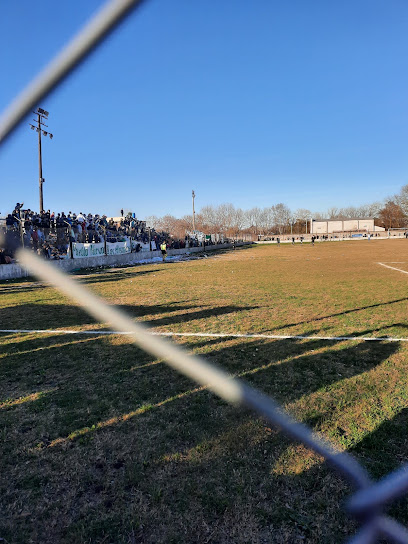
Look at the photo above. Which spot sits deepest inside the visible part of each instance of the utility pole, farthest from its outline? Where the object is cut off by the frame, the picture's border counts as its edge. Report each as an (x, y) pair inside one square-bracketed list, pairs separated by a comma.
[(193, 195), (41, 115)]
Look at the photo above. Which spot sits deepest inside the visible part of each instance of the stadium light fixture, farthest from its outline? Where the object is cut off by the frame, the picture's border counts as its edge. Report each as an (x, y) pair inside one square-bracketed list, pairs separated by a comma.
[(41, 115)]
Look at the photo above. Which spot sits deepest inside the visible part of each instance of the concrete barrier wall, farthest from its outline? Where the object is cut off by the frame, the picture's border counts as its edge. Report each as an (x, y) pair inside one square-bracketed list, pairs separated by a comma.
[(13, 271)]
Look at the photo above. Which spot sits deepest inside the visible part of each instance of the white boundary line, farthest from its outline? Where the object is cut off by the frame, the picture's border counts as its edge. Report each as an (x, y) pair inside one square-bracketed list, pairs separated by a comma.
[(210, 335), (393, 268)]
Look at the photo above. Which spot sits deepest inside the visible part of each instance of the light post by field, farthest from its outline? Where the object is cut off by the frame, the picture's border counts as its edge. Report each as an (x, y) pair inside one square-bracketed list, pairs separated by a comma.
[(41, 115), (193, 195)]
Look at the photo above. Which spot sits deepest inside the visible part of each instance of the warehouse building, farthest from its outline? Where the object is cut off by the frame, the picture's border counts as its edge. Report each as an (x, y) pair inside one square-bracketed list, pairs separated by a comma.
[(340, 226)]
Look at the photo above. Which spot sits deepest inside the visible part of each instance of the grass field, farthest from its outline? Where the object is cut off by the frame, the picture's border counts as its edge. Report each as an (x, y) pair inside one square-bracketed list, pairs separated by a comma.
[(102, 444)]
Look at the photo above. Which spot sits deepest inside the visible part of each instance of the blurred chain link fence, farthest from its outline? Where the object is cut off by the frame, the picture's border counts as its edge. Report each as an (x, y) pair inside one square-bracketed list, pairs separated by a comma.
[(370, 498)]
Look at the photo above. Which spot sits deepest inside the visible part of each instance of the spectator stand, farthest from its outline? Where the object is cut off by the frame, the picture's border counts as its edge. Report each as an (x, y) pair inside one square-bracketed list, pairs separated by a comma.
[(70, 236)]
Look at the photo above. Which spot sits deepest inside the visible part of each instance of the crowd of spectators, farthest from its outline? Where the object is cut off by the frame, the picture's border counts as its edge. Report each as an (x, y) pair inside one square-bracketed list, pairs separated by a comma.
[(51, 234)]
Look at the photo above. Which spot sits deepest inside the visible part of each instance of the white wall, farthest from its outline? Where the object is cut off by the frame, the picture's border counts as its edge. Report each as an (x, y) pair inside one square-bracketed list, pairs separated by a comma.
[(337, 225), (12, 271)]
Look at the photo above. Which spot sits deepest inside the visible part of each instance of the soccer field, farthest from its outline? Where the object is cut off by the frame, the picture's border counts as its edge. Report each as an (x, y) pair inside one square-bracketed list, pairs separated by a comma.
[(101, 443)]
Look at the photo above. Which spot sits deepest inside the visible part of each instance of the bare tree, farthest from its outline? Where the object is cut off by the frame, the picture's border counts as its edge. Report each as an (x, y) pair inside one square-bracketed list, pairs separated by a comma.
[(239, 220), (282, 215), (303, 215), (152, 221), (392, 215), (231, 221), (187, 221), (253, 217), (318, 216), (374, 209), (332, 213), (402, 199), (350, 212), (207, 219)]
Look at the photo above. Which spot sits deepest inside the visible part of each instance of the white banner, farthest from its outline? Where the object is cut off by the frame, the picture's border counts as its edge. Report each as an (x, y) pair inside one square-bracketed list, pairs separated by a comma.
[(118, 248), (87, 250), (97, 250)]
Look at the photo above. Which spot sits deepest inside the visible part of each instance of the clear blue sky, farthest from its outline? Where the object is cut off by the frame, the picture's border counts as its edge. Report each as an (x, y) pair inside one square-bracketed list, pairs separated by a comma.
[(254, 103)]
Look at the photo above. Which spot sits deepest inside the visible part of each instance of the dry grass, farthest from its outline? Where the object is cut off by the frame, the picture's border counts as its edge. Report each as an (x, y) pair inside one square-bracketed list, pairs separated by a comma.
[(102, 444)]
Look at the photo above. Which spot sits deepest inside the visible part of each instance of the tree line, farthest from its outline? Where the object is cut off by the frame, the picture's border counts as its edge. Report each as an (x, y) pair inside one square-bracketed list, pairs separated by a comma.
[(279, 218)]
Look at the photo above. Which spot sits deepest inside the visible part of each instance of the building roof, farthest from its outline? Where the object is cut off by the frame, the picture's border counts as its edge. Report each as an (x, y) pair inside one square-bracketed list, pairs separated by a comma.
[(347, 219)]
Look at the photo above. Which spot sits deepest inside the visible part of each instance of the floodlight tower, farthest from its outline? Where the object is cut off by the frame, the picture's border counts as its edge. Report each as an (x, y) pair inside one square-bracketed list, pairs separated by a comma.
[(41, 115), (193, 195)]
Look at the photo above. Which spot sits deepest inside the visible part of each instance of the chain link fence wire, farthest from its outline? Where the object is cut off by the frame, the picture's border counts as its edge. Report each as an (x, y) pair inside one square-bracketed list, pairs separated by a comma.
[(370, 498)]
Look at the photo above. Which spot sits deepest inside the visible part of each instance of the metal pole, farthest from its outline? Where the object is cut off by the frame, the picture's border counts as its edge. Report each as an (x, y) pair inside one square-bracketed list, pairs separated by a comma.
[(193, 195), (71, 246), (40, 178), (21, 232)]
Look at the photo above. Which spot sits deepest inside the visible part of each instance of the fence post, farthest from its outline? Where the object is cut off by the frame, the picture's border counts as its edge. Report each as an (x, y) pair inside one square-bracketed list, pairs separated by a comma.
[(68, 230), (21, 232), (105, 246), (71, 247)]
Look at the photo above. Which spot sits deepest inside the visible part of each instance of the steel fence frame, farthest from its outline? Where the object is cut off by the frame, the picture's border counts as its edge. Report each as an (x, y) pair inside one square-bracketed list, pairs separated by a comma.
[(368, 502)]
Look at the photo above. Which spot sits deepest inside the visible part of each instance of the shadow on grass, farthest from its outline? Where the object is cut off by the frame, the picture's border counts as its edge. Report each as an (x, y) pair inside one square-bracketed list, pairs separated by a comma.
[(114, 275), (386, 448), (345, 312), (43, 316), (158, 459), (5, 289), (11, 345), (285, 369), (383, 327)]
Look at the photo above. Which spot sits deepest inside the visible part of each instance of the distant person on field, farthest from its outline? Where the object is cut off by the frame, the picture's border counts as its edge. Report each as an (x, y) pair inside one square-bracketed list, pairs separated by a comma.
[(278, 241), (313, 240), (293, 240), (163, 248)]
